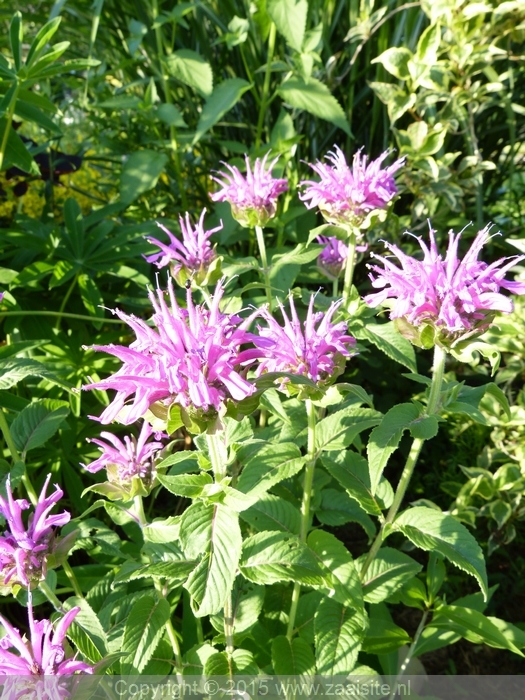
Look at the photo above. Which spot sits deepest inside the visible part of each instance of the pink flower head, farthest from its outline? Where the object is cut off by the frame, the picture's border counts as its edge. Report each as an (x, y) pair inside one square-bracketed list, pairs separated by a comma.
[(458, 298), (193, 254), (303, 348), (135, 457), (192, 358), (24, 550), (43, 653), (332, 258), (252, 196), (345, 196)]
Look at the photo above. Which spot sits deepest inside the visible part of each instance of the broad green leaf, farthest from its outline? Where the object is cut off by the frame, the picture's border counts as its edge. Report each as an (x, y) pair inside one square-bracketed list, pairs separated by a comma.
[(36, 423), (63, 271), (173, 571), (86, 631), (191, 69), (339, 633), (386, 437), (247, 603), (171, 116), (30, 113), (292, 657), (268, 466), (383, 637), (290, 19), (387, 573), (144, 628), (351, 471), (389, 340), (434, 531), (212, 580), (273, 513), (338, 430), (474, 626), (187, 485), (162, 530), (395, 60), (337, 559), (240, 662), (140, 173), (16, 154), (91, 298), (195, 528), (15, 369), (223, 98), (314, 97), (269, 557), (337, 508), (428, 45), (32, 274)]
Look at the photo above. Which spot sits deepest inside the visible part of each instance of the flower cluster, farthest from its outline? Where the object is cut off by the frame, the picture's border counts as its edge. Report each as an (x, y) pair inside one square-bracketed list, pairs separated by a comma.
[(24, 550), (193, 254), (332, 258), (302, 348), (252, 197), (43, 653), (456, 298), (346, 195), (135, 457), (192, 358)]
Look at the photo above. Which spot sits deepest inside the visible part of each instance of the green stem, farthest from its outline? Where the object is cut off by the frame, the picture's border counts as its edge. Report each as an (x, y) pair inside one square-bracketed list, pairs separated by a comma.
[(438, 370), (4, 427), (80, 317), (266, 84), (72, 579), (8, 121), (139, 511), (305, 506), (266, 273), (50, 596), (409, 654), (349, 267), (65, 300), (335, 287)]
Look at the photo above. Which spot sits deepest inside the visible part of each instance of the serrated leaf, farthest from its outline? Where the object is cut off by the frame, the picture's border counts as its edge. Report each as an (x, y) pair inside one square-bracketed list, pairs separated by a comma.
[(339, 633), (387, 338), (290, 19), (273, 513), (315, 98), (191, 69), (162, 530), (268, 466), (434, 531), (223, 98), (337, 508), (247, 603), (144, 628), (269, 557), (187, 485), (338, 430), (16, 369), (387, 573), (212, 580), (292, 657), (384, 637), (140, 173), (86, 630), (36, 423)]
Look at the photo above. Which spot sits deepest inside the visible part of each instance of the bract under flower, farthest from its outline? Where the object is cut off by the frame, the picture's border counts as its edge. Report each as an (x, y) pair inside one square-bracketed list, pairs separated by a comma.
[(192, 357), (346, 195), (253, 197), (24, 550), (313, 349), (456, 298)]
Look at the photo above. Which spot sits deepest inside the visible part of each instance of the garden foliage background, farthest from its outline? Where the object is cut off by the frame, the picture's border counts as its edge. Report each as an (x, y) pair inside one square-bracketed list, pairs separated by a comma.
[(124, 127)]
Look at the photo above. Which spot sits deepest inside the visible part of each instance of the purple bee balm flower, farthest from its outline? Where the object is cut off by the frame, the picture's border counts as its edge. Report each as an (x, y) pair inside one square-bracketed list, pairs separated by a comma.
[(345, 196), (332, 258), (194, 253), (252, 196), (458, 298), (24, 550), (135, 457), (192, 358), (43, 653), (303, 348)]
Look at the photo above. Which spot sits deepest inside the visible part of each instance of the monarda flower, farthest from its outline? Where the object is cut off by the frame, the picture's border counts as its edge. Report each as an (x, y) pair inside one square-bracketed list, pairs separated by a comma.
[(315, 349), (443, 301), (43, 653), (346, 195), (24, 550), (253, 197), (192, 357), (192, 256), (332, 258), (133, 458)]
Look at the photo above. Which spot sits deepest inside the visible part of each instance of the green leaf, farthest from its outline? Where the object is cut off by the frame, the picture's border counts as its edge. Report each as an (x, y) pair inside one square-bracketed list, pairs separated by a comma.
[(16, 154), (223, 98), (472, 625), (144, 628), (351, 471), (337, 508), (91, 298), (41, 39), (269, 557), (211, 581), (30, 113), (395, 60), (140, 173), (273, 513), (191, 69), (387, 338), (75, 226), (16, 35), (86, 631), (162, 530), (387, 573), (36, 423), (13, 370), (292, 657), (247, 603), (290, 19), (383, 637), (174, 572), (268, 466), (338, 430), (171, 116), (434, 531), (315, 98), (339, 633), (187, 485), (63, 271), (386, 437), (32, 274), (428, 45)]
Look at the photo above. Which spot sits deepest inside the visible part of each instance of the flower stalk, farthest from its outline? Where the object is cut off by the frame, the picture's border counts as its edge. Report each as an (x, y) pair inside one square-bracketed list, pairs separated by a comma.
[(349, 267), (265, 270)]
